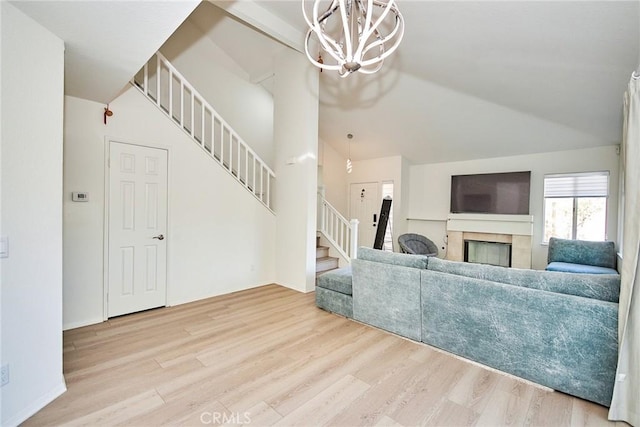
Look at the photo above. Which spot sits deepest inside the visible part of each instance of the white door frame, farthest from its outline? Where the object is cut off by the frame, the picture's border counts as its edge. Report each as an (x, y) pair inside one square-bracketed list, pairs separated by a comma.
[(105, 251)]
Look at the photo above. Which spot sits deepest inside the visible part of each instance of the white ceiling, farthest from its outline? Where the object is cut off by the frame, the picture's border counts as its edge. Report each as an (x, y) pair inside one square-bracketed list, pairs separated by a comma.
[(474, 79), (470, 80), (107, 42)]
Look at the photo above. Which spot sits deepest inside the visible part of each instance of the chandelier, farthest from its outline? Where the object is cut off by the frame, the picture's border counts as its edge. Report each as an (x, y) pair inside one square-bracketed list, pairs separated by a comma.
[(353, 35)]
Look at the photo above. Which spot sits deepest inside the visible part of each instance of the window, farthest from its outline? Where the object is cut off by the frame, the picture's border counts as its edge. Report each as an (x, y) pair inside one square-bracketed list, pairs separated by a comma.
[(575, 206)]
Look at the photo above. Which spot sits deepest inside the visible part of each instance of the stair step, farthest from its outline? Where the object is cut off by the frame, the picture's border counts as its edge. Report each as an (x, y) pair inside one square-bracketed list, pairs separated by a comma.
[(322, 251), (326, 264)]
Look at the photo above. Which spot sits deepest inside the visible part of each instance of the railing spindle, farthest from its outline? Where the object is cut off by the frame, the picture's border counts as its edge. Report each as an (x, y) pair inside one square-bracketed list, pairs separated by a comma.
[(202, 136), (254, 175), (260, 170), (239, 155), (146, 79), (193, 113), (158, 79), (170, 93), (181, 104)]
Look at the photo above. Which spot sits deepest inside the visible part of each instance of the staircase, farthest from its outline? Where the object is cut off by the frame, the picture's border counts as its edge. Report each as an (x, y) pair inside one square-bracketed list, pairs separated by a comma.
[(341, 234), (163, 85), (324, 262)]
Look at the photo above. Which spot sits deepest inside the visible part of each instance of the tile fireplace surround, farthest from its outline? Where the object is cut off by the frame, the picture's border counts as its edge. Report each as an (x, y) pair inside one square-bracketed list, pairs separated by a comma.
[(514, 229)]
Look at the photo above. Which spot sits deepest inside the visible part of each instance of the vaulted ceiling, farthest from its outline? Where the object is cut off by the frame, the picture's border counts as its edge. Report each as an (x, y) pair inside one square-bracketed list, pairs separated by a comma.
[(471, 79), (478, 79)]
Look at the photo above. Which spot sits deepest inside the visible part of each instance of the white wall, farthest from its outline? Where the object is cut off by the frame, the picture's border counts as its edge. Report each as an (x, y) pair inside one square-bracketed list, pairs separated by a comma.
[(220, 238), (246, 106), (431, 183), (333, 175), (31, 189), (296, 136)]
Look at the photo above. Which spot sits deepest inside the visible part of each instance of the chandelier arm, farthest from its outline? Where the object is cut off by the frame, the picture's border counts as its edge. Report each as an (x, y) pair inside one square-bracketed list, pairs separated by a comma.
[(314, 61), (372, 70), (369, 31), (383, 40), (368, 18), (385, 51), (346, 28), (332, 8), (329, 45)]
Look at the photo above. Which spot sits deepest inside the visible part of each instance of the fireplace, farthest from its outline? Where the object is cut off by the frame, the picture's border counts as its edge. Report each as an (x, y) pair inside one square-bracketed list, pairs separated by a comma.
[(492, 253), (512, 230)]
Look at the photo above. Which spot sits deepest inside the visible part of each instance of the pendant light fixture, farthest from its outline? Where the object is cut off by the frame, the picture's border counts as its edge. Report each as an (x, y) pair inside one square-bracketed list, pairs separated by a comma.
[(353, 35), (349, 165)]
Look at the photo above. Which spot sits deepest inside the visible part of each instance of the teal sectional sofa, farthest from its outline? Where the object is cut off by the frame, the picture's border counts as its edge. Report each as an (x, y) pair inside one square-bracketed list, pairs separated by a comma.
[(556, 329)]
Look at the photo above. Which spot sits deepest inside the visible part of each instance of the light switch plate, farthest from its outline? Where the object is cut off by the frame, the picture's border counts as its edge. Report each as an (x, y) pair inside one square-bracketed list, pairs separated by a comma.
[(80, 196)]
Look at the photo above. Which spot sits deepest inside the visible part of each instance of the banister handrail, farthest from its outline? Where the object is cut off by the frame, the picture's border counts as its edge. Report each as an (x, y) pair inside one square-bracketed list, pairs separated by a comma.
[(196, 117), (340, 232)]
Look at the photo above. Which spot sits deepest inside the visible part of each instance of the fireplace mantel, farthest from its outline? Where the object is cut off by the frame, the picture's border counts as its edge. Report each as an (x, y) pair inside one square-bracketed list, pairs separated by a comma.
[(514, 229), (490, 223)]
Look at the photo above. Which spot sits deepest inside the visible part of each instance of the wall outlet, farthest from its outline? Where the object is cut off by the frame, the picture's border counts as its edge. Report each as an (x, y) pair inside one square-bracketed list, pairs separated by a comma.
[(4, 375)]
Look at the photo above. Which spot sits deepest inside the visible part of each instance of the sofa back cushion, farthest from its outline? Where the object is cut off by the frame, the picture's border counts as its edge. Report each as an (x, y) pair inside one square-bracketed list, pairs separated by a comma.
[(601, 254), (605, 287), (403, 260)]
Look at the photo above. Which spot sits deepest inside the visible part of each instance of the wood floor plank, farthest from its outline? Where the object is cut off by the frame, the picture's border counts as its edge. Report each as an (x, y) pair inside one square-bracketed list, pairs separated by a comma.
[(451, 414), (474, 388), (260, 414), (423, 395), (122, 411), (549, 407), (586, 414), (377, 402), (324, 405), (505, 409), (269, 356)]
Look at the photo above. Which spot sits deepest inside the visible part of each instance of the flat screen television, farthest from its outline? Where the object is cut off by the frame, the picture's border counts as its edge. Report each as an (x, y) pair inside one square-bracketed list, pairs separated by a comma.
[(491, 193)]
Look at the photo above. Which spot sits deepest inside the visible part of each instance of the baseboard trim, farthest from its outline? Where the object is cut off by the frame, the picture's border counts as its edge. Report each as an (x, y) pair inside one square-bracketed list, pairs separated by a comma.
[(74, 325), (37, 405)]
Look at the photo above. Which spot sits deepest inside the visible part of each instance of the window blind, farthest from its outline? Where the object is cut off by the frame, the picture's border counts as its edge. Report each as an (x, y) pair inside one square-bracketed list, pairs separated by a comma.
[(589, 184)]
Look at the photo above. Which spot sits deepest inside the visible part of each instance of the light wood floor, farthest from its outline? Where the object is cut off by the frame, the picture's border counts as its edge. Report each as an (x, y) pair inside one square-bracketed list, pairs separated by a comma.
[(268, 356)]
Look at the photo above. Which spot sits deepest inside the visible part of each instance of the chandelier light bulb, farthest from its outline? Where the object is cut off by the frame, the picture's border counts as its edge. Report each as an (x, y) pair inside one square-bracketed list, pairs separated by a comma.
[(349, 166), (353, 35)]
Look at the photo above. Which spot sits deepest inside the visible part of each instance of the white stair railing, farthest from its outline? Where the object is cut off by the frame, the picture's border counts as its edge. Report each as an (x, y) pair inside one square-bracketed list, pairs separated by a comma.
[(159, 81), (340, 232)]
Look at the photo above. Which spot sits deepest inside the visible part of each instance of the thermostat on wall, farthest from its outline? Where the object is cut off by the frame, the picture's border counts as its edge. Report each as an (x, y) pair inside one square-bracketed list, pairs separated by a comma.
[(80, 196)]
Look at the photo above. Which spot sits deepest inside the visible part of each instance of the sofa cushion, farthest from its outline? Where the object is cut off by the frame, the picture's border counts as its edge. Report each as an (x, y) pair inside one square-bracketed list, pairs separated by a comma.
[(569, 267), (337, 280), (601, 254), (605, 287), (404, 260)]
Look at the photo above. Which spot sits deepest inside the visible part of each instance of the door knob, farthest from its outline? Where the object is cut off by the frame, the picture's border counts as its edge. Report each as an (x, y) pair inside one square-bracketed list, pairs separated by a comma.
[(159, 237)]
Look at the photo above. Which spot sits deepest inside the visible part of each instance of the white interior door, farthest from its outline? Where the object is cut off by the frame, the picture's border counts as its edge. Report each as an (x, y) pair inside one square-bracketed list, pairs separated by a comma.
[(365, 207), (137, 228)]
